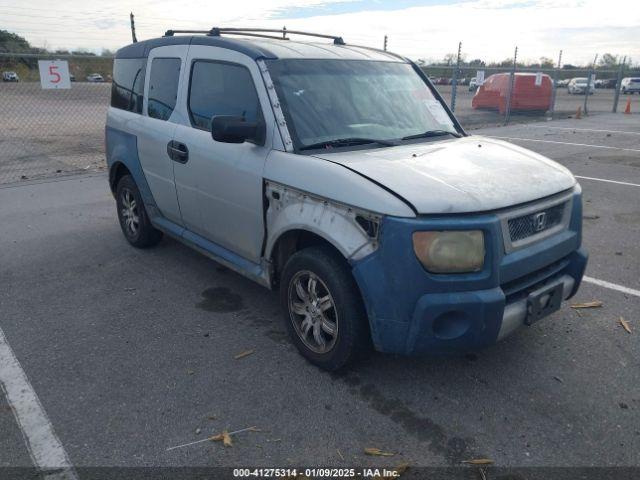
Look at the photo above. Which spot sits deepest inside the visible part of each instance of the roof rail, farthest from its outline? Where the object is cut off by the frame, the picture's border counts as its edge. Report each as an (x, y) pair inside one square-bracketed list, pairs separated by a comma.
[(256, 32)]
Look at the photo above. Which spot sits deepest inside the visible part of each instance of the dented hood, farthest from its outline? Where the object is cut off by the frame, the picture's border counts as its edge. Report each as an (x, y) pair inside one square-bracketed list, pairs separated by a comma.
[(469, 174)]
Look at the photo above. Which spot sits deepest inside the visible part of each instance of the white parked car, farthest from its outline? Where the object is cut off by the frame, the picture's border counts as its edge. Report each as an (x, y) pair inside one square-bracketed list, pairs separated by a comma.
[(579, 85), (337, 175), (95, 77), (630, 85), (473, 84), (10, 77)]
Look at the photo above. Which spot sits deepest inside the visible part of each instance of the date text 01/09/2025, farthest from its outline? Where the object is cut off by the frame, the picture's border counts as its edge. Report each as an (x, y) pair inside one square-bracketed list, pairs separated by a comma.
[(316, 473)]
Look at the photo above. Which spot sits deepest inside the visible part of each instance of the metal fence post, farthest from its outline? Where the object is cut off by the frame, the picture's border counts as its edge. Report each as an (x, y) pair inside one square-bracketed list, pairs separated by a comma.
[(588, 89), (616, 96), (556, 73), (454, 80), (511, 84)]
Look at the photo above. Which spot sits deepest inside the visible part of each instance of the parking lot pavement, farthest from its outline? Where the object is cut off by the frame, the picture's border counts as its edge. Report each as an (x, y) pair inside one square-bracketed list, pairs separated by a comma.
[(132, 352)]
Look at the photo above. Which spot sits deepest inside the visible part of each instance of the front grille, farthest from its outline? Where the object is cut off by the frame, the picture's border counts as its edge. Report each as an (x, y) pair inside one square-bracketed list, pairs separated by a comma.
[(536, 222), (522, 286)]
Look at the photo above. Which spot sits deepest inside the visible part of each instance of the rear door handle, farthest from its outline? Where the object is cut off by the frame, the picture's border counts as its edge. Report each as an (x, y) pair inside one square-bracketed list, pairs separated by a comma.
[(178, 152)]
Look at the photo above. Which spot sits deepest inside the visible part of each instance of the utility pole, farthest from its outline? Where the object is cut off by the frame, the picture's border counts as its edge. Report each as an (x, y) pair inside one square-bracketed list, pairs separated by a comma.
[(133, 28), (454, 79), (556, 74), (511, 85), (385, 43), (616, 97), (588, 89)]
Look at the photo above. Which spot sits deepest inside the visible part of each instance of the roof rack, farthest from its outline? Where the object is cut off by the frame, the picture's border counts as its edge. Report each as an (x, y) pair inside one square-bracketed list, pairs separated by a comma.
[(256, 32)]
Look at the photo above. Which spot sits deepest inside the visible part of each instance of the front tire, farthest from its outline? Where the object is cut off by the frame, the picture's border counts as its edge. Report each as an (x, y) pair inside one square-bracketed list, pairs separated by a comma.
[(134, 221), (323, 310)]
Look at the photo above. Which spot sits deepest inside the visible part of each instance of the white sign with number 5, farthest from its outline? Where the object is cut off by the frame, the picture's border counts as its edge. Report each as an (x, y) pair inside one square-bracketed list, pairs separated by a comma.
[(54, 74)]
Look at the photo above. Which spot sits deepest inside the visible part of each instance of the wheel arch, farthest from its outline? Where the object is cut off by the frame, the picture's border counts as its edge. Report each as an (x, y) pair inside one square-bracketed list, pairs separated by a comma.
[(117, 170), (294, 239)]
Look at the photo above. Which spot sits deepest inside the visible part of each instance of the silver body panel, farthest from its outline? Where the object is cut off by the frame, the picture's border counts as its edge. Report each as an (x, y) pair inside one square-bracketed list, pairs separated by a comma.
[(291, 209), (153, 136), (471, 174), (220, 187), (332, 181)]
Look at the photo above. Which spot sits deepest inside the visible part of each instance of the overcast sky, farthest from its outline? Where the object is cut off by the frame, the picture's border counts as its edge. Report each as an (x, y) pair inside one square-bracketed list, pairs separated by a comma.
[(488, 29)]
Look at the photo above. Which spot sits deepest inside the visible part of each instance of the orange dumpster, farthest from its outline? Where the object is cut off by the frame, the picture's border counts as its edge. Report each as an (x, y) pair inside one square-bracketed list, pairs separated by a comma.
[(527, 96)]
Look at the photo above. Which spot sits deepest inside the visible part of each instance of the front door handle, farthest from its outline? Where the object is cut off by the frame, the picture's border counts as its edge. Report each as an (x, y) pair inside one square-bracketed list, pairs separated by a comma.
[(178, 152)]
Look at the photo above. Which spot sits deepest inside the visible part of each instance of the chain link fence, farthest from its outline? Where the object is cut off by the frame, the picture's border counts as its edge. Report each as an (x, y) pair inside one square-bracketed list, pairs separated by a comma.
[(47, 133), (507, 94)]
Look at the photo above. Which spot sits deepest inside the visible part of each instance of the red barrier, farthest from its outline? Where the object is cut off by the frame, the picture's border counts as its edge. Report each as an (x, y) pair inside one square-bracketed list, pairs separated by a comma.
[(527, 96)]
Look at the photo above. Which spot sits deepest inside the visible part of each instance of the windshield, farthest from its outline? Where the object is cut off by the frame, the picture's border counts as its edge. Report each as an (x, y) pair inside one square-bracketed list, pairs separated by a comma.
[(325, 100)]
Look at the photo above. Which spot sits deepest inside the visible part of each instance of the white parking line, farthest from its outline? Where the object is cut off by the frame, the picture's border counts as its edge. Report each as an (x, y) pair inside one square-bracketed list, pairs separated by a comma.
[(612, 286), (568, 143), (609, 181), (45, 449), (584, 129)]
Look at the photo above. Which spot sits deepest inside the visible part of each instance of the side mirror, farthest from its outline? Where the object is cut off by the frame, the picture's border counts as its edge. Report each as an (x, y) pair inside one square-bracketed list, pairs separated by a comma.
[(235, 129)]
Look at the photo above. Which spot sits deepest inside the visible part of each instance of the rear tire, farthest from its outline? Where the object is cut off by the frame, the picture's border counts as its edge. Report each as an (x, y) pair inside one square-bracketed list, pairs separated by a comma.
[(323, 309), (132, 215)]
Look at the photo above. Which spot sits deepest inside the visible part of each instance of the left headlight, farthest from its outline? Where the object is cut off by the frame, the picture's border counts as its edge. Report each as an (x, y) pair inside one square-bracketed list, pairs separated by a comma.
[(453, 251)]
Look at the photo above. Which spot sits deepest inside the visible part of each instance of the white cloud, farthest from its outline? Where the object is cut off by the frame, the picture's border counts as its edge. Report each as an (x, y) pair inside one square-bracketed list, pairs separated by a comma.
[(489, 29)]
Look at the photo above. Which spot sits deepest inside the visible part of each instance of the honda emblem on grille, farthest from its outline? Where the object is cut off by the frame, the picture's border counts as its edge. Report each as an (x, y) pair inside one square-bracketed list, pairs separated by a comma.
[(539, 221)]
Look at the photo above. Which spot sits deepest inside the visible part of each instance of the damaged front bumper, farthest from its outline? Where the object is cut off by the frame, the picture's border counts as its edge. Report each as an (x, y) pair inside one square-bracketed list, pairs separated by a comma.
[(412, 311)]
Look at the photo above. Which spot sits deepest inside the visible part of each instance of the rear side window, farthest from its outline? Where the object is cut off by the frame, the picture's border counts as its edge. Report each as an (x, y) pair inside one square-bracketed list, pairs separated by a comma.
[(221, 89), (163, 87), (127, 89)]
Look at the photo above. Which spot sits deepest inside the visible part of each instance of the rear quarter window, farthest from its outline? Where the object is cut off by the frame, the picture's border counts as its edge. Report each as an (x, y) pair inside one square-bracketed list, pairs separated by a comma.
[(127, 89), (163, 87)]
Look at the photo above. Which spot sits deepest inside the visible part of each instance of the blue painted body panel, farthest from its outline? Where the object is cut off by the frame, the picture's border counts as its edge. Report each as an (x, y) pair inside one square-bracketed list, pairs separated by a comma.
[(122, 147), (413, 311)]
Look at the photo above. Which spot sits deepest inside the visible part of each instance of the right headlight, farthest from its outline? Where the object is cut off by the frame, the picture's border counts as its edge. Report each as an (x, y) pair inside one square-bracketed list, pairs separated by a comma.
[(450, 251)]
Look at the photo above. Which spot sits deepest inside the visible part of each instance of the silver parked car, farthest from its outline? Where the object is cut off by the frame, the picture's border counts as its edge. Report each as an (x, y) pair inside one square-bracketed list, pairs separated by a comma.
[(337, 175), (95, 78), (579, 86), (630, 85)]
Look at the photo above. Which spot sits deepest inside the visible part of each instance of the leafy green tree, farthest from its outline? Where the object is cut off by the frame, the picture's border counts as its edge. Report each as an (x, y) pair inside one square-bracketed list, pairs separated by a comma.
[(608, 60), (11, 42)]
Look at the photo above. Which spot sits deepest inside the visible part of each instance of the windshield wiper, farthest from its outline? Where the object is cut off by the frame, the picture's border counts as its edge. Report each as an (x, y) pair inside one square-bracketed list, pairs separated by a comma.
[(432, 133), (346, 142)]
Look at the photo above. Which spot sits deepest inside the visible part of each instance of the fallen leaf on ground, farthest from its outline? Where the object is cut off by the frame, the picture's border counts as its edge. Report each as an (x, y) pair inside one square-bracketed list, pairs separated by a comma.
[(593, 304), (190, 372), (223, 437), (246, 353), (400, 469), (478, 461), (377, 452), (340, 454), (625, 325)]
